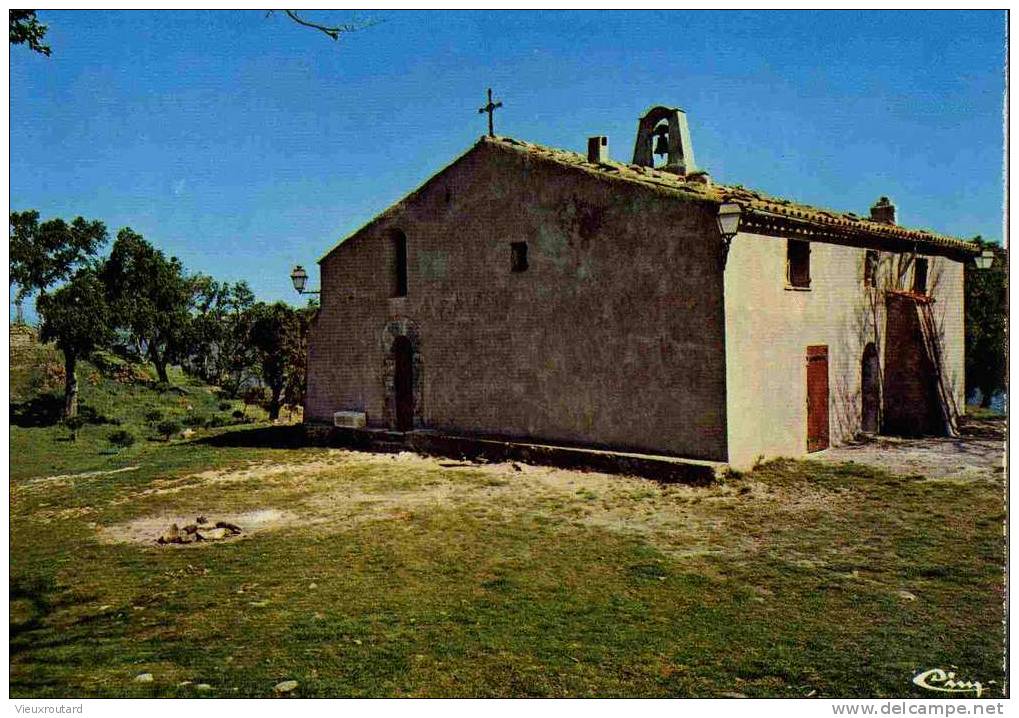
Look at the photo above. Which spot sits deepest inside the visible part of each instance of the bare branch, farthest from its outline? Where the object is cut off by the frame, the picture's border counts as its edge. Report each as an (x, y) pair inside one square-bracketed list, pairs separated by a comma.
[(333, 31)]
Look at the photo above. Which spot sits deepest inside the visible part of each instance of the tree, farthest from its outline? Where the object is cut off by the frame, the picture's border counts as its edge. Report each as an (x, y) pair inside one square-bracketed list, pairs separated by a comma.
[(44, 254), (297, 368), (77, 318), (987, 325), (237, 361), (168, 427), (275, 333), (27, 30), (217, 347), (150, 297), (205, 327), (333, 31)]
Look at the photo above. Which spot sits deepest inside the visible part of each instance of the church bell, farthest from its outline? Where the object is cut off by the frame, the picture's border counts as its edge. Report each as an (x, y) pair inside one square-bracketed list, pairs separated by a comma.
[(662, 142)]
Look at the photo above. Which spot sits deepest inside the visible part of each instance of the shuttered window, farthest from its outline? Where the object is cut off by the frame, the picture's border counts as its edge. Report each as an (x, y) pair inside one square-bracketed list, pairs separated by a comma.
[(798, 263)]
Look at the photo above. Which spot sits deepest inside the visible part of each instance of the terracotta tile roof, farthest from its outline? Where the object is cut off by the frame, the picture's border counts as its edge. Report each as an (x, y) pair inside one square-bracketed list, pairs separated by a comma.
[(823, 223)]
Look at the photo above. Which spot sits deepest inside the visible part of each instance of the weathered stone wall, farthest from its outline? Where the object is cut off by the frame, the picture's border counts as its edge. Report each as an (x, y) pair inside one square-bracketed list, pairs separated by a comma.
[(769, 326), (612, 337)]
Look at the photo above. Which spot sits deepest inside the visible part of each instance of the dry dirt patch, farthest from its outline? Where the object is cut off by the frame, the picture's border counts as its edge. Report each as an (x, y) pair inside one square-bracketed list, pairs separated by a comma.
[(347, 488), (147, 529), (977, 455)]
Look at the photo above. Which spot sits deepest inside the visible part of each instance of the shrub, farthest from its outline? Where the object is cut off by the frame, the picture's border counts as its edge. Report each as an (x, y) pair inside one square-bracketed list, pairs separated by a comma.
[(73, 424), (256, 396), (237, 414), (217, 420), (195, 420), (153, 416), (225, 406), (91, 416), (121, 438), (107, 363), (168, 427)]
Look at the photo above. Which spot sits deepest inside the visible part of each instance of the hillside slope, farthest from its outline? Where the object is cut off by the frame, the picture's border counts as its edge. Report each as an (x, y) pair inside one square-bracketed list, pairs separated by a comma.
[(115, 396)]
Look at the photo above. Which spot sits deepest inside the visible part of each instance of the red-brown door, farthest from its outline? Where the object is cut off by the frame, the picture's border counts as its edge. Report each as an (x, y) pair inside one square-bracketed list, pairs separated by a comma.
[(817, 398)]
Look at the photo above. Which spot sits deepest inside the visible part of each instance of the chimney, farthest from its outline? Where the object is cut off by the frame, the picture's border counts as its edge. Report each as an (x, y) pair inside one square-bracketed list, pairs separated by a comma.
[(883, 211), (598, 149)]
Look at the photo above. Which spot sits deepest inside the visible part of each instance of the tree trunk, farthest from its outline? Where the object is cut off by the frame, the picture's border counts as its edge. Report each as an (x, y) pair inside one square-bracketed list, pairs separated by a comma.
[(274, 404), (70, 386), (160, 363)]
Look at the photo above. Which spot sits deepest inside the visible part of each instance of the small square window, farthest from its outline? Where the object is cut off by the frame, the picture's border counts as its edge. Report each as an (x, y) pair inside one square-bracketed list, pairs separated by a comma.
[(798, 263), (920, 276), (870, 264), (518, 256)]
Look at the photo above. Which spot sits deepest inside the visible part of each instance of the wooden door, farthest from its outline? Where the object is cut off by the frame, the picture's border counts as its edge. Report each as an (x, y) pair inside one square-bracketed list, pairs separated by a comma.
[(403, 383), (817, 398)]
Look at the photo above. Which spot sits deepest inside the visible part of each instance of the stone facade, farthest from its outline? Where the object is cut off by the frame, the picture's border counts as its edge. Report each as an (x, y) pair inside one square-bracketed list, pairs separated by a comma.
[(624, 331), (613, 336)]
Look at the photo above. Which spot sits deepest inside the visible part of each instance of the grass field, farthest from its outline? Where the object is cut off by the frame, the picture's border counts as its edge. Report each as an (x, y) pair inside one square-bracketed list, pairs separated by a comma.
[(376, 575)]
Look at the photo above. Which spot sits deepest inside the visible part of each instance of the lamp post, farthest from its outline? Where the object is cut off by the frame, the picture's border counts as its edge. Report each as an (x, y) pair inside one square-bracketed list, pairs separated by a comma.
[(984, 260), (300, 278), (728, 225)]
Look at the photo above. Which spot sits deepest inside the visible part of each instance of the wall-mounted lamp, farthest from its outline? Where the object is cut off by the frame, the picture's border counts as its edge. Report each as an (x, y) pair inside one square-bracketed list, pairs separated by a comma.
[(300, 278), (984, 260), (728, 225)]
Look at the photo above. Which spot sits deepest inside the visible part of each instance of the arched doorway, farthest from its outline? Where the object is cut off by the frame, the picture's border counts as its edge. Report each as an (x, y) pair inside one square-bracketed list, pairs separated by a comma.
[(870, 390), (403, 383)]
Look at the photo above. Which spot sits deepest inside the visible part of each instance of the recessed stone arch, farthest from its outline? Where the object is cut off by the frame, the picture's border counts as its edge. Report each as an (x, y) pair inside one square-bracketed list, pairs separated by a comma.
[(398, 337), (870, 390)]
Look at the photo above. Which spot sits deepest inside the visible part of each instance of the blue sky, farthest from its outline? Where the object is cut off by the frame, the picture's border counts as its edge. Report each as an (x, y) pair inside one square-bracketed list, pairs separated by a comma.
[(244, 144)]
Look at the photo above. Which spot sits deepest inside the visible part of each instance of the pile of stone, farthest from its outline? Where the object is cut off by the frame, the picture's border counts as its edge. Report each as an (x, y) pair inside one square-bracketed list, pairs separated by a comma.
[(201, 530)]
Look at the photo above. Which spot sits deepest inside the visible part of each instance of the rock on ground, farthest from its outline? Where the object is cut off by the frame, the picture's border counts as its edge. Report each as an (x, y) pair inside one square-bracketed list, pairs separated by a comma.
[(285, 686)]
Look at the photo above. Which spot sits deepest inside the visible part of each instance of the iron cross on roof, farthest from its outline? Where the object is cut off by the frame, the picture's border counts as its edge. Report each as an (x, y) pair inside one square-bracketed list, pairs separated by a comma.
[(490, 108)]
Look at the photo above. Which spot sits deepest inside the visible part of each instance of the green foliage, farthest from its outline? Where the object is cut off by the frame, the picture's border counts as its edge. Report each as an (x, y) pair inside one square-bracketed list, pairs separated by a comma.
[(195, 421), (216, 349), (107, 404), (278, 334), (44, 254), (77, 319), (150, 297), (122, 438), (168, 427), (27, 30), (987, 324), (153, 415)]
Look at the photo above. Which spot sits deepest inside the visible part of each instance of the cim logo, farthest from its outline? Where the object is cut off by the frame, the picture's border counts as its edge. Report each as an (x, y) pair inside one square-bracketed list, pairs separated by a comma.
[(944, 681)]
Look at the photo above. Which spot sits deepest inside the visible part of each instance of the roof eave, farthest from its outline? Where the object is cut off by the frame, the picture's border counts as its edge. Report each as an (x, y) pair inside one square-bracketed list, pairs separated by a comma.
[(859, 234)]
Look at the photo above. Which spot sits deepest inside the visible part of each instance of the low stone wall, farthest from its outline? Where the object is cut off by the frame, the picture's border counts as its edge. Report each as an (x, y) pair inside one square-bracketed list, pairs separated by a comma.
[(658, 468)]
